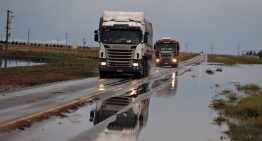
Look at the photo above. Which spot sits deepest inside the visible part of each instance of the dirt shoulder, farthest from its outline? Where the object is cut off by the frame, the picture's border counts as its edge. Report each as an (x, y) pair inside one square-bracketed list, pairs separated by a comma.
[(57, 67)]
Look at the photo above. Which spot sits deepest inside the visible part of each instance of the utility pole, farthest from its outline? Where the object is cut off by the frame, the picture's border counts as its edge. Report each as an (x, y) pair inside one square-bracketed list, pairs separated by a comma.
[(212, 46), (238, 49), (1, 36), (28, 35), (8, 22), (1, 42), (186, 46), (57, 40), (84, 42), (66, 38)]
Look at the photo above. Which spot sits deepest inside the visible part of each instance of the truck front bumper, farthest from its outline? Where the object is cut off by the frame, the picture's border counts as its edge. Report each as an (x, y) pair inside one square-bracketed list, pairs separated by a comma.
[(106, 69), (163, 63)]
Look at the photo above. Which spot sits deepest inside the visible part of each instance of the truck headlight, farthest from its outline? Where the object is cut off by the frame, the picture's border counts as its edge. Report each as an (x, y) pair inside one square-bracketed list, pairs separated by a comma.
[(157, 60), (135, 64), (174, 60), (103, 63)]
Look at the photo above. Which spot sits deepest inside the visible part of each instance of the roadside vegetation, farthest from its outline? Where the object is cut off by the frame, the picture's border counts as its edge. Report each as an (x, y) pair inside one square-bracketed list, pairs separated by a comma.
[(57, 67), (186, 56), (232, 60), (242, 111)]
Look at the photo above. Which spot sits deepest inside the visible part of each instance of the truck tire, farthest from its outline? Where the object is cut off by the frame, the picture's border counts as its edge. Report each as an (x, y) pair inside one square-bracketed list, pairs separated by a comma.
[(146, 66), (102, 75), (175, 66), (138, 75)]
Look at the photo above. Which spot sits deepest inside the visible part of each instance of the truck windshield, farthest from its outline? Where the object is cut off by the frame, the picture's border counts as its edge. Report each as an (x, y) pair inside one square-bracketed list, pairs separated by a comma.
[(166, 47), (121, 36)]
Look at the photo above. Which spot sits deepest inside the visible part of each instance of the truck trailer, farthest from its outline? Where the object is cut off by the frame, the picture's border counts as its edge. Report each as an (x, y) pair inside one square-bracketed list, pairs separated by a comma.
[(167, 52), (126, 44)]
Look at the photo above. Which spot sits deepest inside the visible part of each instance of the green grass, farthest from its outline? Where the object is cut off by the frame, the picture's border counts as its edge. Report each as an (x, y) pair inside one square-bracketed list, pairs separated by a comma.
[(187, 56), (232, 60), (58, 67), (245, 112)]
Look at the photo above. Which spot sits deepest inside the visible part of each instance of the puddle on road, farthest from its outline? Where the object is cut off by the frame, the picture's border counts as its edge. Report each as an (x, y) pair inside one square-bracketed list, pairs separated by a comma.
[(84, 118), (127, 125), (184, 114), (178, 112), (54, 129), (9, 63)]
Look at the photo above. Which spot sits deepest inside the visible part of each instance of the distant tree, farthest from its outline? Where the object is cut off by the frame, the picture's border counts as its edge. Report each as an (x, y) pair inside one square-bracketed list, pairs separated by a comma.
[(260, 54)]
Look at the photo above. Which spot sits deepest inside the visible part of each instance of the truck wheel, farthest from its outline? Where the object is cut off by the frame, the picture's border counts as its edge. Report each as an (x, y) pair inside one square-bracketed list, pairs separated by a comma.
[(175, 66), (146, 67), (102, 75), (138, 75)]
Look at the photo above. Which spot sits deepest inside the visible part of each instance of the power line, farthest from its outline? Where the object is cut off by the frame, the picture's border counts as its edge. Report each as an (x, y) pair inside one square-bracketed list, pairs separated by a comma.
[(8, 28), (208, 32), (53, 18)]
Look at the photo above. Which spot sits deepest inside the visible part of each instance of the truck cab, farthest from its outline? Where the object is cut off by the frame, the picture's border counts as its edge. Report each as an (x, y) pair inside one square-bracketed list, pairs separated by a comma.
[(126, 45), (167, 52)]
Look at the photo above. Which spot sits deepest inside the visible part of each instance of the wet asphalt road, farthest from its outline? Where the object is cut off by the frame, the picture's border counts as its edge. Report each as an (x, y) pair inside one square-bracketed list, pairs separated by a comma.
[(119, 107)]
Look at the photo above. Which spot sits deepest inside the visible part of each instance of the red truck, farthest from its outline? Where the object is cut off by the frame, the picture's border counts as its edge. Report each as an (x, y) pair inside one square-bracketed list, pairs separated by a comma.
[(167, 52)]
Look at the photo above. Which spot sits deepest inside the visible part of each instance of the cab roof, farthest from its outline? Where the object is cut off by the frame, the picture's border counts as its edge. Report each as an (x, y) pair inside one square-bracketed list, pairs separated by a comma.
[(166, 40)]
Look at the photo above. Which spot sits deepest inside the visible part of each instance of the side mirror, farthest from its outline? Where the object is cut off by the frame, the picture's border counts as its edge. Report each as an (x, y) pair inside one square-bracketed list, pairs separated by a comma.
[(96, 35), (146, 37)]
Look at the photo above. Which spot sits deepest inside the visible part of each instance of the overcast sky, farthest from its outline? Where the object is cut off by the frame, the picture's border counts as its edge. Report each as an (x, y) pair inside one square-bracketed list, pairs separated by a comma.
[(225, 23)]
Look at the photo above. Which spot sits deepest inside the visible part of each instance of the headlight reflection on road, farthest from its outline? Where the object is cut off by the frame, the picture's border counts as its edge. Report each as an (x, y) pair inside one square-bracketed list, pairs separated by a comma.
[(101, 87), (133, 92), (173, 80), (157, 70)]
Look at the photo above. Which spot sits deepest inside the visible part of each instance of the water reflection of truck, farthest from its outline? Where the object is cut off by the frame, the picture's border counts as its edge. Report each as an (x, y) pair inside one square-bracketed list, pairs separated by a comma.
[(167, 52), (168, 92), (125, 44), (128, 124)]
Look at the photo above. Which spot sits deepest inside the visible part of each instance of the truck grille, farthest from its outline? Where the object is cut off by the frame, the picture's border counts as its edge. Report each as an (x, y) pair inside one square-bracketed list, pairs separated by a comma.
[(120, 57), (120, 100), (166, 57)]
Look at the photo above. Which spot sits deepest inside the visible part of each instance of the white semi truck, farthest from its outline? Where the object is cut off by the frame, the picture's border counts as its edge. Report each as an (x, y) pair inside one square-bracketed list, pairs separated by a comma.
[(125, 44)]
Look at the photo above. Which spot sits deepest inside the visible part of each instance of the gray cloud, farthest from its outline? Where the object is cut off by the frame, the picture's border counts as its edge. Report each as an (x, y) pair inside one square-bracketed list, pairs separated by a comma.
[(200, 23)]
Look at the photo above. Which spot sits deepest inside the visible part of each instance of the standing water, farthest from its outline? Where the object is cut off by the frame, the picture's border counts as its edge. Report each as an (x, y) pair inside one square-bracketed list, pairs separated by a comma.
[(180, 111), (9, 63)]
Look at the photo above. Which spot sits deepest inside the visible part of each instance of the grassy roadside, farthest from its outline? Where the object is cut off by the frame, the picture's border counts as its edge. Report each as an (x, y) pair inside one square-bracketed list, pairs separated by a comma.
[(186, 56), (232, 60), (57, 67), (242, 113)]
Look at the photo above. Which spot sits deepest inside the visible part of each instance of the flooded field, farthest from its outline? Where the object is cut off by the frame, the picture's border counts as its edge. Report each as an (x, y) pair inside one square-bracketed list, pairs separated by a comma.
[(179, 111), (8, 63)]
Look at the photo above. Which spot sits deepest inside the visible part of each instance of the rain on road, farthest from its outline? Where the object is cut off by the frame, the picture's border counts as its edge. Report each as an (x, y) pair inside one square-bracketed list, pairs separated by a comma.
[(160, 106)]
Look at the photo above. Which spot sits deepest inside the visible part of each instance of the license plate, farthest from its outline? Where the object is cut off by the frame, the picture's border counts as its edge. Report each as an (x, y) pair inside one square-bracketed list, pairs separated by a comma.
[(119, 70), (166, 63)]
